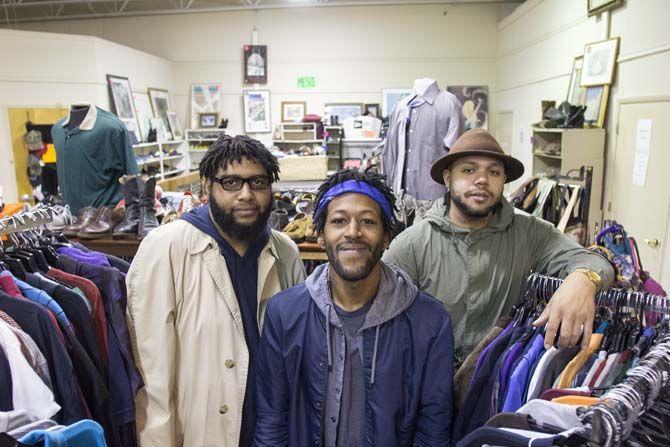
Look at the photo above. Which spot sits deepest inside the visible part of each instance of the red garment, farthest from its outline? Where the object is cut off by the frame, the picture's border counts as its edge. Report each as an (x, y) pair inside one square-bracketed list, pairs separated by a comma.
[(594, 379), (8, 285), (93, 295), (554, 393)]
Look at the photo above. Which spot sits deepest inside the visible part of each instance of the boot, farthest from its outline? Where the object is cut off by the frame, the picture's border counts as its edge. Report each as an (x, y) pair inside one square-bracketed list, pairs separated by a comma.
[(100, 227), (127, 228), (148, 219), (84, 218)]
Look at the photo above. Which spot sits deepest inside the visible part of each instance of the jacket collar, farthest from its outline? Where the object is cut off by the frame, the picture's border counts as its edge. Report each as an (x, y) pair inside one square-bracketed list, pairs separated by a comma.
[(89, 120), (205, 241), (438, 215), (431, 93)]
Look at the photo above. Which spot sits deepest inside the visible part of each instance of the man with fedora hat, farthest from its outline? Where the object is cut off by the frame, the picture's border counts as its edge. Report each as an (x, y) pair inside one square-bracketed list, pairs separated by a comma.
[(473, 252)]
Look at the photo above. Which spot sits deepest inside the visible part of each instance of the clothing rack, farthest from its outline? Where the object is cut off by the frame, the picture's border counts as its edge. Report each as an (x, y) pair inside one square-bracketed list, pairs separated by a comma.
[(545, 286), (27, 220)]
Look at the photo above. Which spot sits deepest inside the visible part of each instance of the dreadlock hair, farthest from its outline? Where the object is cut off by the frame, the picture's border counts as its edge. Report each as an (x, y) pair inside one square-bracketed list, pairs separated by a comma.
[(227, 150), (378, 181)]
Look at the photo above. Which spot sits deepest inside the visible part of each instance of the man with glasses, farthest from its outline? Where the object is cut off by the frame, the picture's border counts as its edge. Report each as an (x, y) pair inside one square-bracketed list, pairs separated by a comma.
[(197, 292)]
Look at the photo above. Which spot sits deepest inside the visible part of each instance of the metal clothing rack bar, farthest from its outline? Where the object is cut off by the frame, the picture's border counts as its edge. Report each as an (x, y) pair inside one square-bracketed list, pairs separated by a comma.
[(607, 298), (25, 221)]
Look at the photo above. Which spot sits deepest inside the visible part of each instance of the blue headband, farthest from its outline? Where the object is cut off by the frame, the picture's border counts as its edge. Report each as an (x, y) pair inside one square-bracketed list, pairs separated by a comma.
[(357, 187)]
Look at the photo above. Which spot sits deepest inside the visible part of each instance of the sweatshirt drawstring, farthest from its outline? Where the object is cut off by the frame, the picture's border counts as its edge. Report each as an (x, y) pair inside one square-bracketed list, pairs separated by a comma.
[(374, 356), (328, 342)]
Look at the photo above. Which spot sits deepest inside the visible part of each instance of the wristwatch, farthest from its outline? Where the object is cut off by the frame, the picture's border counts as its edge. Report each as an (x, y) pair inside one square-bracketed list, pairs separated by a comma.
[(592, 276)]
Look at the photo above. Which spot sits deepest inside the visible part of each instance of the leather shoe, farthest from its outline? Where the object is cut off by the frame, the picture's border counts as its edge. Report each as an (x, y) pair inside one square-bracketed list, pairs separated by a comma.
[(84, 218), (99, 227)]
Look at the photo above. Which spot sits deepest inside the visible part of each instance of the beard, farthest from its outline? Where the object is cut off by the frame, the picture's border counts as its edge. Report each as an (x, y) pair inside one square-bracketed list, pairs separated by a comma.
[(356, 273), (475, 213), (245, 232)]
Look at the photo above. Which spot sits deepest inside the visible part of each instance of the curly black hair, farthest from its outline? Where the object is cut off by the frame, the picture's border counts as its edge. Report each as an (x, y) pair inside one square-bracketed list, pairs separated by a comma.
[(377, 181), (229, 149)]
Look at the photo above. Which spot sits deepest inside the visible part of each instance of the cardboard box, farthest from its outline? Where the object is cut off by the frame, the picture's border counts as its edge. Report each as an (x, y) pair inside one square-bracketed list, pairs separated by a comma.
[(306, 167)]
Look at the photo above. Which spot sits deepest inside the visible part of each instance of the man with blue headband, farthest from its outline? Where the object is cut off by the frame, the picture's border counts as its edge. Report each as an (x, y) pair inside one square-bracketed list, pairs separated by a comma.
[(357, 355)]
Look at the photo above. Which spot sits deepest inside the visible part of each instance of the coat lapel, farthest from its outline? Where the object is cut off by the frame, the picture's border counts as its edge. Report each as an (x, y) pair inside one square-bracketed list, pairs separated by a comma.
[(216, 265)]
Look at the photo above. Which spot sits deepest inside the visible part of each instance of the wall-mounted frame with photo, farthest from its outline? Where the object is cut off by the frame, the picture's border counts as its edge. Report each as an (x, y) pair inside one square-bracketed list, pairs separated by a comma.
[(575, 91), (595, 7), (208, 120), (392, 96), (144, 113), (255, 64), (373, 109), (160, 104), (122, 99), (293, 111), (256, 105), (343, 110), (175, 125), (475, 104), (595, 100), (205, 98), (599, 62)]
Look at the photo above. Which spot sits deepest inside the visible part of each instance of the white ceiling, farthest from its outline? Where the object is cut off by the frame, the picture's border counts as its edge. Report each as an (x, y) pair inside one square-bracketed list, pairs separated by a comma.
[(15, 11)]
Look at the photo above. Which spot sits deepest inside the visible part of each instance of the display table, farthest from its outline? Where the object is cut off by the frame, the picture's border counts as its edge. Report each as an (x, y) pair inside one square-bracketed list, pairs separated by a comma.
[(309, 251)]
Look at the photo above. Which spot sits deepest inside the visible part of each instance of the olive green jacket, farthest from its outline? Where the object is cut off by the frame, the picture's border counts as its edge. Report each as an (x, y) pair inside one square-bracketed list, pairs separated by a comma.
[(479, 274)]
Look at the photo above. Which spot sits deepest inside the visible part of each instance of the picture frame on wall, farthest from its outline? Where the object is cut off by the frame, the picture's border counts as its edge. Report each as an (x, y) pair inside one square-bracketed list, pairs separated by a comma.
[(392, 96), (599, 62), (205, 98), (474, 100), (293, 111), (122, 100), (255, 64), (575, 91), (596, 99), (160, 104), (144, 114), (373, 109), (256, 105), (208, 120), (343, 110), (595, 7), (175, 125)]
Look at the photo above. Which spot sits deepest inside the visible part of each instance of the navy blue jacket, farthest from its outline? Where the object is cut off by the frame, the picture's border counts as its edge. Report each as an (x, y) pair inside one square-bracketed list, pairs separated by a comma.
[(407, 360)]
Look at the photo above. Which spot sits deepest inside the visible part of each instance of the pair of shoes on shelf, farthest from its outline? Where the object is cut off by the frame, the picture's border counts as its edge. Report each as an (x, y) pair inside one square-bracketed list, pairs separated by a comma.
[(140, 217), (301, 228), (91, 223)]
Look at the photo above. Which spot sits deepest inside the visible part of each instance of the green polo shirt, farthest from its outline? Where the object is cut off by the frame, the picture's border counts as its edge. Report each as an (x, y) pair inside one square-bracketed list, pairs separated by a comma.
[(91, 160)]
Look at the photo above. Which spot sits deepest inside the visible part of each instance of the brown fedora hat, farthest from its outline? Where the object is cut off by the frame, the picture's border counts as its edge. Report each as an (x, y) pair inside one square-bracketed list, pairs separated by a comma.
[(477, 142)]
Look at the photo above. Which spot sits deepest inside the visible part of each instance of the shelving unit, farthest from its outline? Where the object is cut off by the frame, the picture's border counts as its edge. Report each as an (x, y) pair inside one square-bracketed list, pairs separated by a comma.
[(167, 164), (562, 152), (334, 147), (199, 141)]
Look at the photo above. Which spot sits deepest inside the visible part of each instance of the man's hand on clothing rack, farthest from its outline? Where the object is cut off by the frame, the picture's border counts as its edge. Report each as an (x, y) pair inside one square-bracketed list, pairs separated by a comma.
[(573, 308)]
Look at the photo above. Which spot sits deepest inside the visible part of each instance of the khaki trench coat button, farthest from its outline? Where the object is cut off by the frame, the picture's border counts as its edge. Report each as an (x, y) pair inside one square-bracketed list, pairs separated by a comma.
[(223, 409), (229, 363)]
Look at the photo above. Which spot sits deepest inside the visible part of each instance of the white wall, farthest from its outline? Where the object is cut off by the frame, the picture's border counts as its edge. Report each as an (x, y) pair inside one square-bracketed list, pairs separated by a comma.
[(54, 70), (353, 52), (538, 42)]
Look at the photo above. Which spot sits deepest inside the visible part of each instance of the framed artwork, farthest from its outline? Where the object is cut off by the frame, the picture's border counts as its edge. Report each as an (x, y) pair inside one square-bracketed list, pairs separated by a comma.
[(344, 110), (292, 111), (256, 105), (175, 126), (160, 104), (208, 120), (161, 130), (392, 96), (124, 107), (372, 109), (598, 6), (599, 62), (475, 104), (595, 100), (144, 113), (575, 91), (205, 98), (255, 64)]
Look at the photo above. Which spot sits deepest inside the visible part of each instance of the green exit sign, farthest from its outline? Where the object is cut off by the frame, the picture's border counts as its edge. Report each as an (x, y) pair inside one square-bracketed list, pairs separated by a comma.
[(306, 82)]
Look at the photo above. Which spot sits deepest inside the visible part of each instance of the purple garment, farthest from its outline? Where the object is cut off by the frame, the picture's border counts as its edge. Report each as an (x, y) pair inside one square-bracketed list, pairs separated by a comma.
[(124, 377), (487, 349), (517, 383), (90, 257)]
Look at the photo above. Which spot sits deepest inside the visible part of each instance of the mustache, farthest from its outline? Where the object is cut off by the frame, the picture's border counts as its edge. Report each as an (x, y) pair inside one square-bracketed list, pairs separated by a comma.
[(353, 246)]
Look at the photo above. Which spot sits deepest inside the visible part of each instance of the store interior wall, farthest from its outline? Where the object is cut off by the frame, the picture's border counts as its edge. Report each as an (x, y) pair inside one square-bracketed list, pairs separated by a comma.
[(55, 70), (353, 52)]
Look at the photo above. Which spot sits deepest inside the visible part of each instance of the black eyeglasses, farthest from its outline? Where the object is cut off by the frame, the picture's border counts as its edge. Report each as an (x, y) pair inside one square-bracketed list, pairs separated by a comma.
[(234, 183)]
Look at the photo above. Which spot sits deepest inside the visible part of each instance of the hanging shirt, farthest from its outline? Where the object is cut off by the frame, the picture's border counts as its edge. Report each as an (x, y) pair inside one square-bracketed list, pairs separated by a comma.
[(517, 383), (91, 159), (43, 298), (422, 128)]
